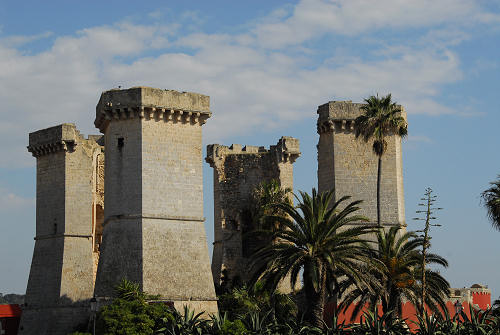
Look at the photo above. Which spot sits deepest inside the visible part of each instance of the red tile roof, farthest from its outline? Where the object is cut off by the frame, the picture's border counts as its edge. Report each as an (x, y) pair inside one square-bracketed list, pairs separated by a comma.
[(10, 311)]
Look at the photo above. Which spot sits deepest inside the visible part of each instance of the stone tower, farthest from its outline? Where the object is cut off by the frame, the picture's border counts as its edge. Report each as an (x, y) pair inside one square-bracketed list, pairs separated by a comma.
[(237, 171), (154, 226), (349, 166), (68, 203)]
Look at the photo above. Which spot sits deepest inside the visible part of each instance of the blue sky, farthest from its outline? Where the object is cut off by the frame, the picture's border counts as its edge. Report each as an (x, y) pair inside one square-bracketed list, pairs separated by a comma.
[(267, 65)]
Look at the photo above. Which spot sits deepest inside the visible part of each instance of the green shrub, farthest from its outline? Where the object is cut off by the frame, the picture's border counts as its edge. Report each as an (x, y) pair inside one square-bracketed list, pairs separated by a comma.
[(241, 302), (130, 317), (233, 328)]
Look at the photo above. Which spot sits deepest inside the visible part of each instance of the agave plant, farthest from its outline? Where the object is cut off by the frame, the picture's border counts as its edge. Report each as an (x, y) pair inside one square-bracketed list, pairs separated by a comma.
[(218, 322), (448, 324), (187, 323), (299, 328), (428, 324), (129, 290), (480, 322), (260, 323), (222, 325), (373, 324), (336, 328)]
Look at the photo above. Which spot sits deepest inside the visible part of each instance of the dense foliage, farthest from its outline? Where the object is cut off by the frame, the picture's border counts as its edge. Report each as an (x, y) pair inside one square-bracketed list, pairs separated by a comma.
[(268, 322), (337, 261), (491, 201), (130, 312), (314, 240), (258, 311), (11, 298), (396, 263)]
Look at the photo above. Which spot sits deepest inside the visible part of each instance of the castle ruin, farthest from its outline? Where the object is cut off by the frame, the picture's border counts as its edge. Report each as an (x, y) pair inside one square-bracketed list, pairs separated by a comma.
[(237, 172), (150, 220), (129, 204), (69, 199), (154, 230)]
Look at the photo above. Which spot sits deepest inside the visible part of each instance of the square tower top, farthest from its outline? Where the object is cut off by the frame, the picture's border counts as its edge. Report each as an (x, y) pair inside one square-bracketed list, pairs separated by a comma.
[(62, 137), (134, 99), (343, 110)]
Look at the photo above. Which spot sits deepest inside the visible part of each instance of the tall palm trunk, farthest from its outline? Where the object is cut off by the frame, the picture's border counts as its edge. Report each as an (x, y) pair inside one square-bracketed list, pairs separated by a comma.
[(315, 303), (379, 177)]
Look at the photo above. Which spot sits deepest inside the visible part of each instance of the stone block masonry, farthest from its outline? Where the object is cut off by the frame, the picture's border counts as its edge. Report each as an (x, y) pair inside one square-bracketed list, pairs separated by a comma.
[(61, 279), (349, 166), (237, 172), (154, 232), (136, 212)]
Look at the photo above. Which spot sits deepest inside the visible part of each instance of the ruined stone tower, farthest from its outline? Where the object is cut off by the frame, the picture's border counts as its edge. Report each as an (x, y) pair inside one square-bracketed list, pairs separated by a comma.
[(154, 226), (349, 166), (237, 171), (68, 207)]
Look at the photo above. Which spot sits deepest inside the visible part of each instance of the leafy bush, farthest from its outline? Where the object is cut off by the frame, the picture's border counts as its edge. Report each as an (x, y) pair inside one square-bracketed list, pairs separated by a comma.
[(259, 313), (387, 324), (131, 317), (12, 299), (232, 328), (240, 302), (224, 326), (187, 323)]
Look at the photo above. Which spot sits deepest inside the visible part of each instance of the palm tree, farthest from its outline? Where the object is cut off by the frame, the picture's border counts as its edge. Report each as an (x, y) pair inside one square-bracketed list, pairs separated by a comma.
[(491, 200), (262, 204), (495, 308), (396, 262), (381, 119), (313, 238), (259, 215)]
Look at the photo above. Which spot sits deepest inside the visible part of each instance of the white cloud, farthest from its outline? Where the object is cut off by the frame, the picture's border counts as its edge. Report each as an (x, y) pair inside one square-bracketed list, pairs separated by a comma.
[(251, 87), (18, 40), (419, 138), (13, 202), (313, 18)]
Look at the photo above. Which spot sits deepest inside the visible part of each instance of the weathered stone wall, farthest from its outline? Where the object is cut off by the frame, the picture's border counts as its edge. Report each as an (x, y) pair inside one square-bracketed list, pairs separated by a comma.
[(98, 206), (154, 232), (237, 172), (61, 275), (349, 166)]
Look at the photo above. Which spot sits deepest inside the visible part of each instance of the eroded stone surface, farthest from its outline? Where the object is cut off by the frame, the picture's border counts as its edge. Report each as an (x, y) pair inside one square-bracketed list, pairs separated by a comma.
[(61, 279), (154, 232), (237, 172), (143, 221), (349, 166)]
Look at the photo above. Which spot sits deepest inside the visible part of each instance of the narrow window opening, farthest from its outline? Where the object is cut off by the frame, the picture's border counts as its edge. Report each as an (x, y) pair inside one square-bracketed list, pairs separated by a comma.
[(120, 143)]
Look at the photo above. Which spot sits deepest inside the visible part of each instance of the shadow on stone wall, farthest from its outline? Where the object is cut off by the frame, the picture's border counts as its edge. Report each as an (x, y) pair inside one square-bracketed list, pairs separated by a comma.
[(63, 317)]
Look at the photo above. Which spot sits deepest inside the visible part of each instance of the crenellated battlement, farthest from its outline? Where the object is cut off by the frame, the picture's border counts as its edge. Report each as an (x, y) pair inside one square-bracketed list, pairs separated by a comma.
[(53, 139), (152, 104), (340, 116), (153, 140), (63, 137), (339, 110), (287, 149), (69, 203), (348, 166), (238, 170)]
